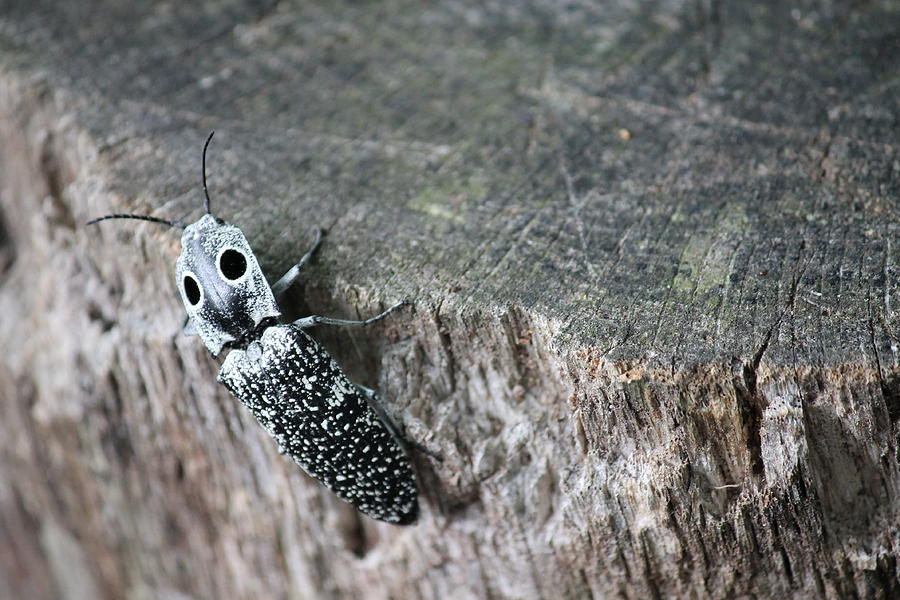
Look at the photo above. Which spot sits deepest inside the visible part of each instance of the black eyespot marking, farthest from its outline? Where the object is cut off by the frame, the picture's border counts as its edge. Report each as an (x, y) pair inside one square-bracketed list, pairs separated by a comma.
[(191, 290), (233, 264)]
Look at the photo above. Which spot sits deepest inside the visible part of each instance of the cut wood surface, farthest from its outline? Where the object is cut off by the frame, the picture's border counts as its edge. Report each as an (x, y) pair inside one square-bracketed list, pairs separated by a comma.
[(651, 256)]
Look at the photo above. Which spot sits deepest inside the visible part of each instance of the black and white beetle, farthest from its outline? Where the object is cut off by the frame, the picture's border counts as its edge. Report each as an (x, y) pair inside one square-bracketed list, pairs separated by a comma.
[(330, 426)]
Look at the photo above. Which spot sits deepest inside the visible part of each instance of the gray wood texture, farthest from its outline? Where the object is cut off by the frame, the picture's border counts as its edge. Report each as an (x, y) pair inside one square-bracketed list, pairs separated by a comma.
[(651, 254)]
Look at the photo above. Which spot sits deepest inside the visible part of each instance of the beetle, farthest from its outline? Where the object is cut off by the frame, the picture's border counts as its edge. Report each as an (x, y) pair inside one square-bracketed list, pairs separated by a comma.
[(334, 429)]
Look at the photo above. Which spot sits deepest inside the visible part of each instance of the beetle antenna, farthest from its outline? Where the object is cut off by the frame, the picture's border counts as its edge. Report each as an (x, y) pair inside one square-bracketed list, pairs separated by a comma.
[(205, 191), (139, 218)]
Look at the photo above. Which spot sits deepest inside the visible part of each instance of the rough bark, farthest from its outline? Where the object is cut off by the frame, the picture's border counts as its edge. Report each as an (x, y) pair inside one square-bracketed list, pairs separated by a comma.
[(650, 250)]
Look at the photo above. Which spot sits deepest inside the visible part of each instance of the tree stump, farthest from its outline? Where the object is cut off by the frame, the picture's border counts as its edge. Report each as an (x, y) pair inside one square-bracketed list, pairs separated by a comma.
[(651, 256)]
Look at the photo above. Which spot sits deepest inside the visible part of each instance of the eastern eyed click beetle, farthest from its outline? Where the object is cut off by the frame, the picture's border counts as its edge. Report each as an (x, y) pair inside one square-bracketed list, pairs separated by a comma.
[(330, 426)]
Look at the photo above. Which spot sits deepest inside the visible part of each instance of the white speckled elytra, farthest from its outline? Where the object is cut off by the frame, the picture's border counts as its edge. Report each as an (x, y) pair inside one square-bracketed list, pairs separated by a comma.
[(331, 427)]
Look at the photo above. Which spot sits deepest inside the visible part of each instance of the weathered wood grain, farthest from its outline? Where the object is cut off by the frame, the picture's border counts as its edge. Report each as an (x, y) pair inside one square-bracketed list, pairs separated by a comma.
[(650, 250)]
